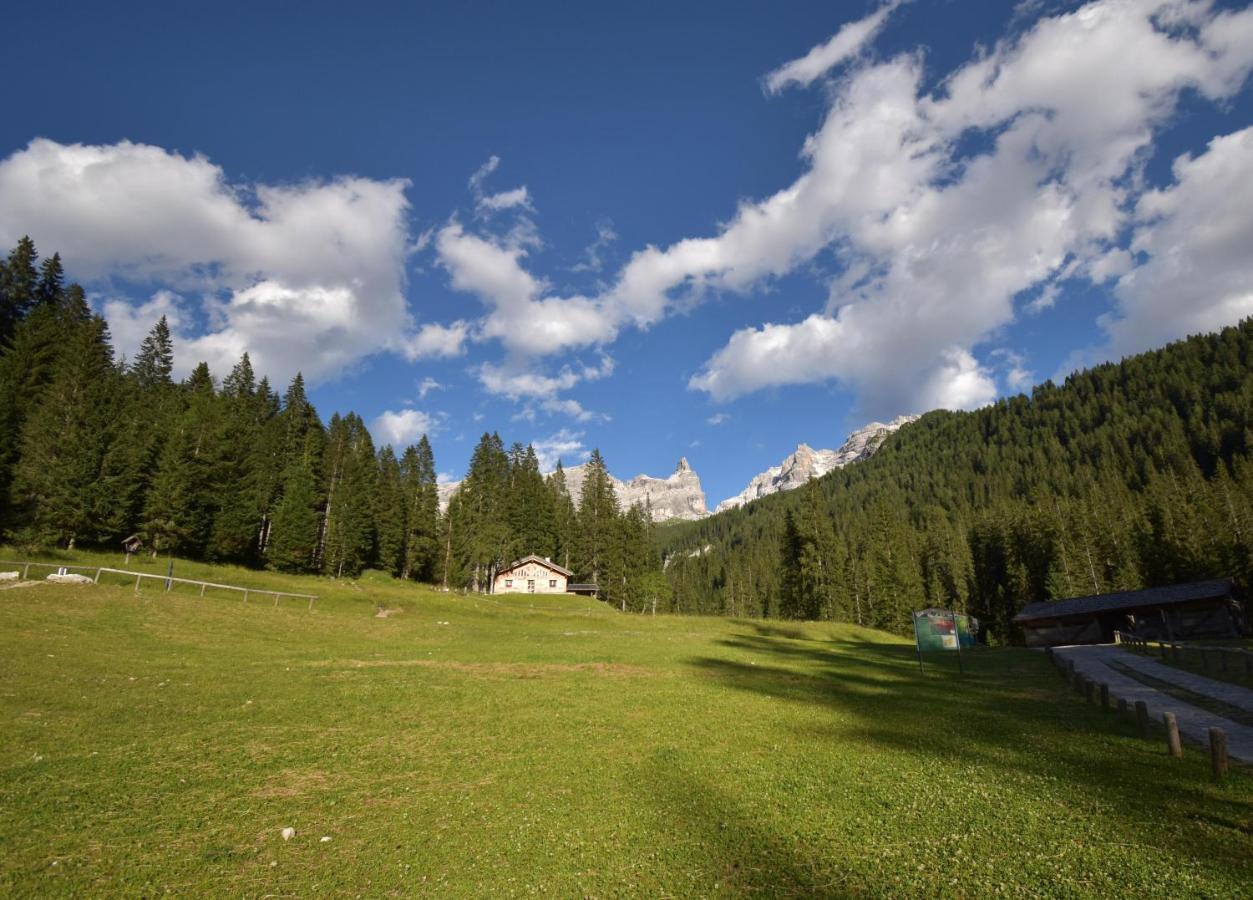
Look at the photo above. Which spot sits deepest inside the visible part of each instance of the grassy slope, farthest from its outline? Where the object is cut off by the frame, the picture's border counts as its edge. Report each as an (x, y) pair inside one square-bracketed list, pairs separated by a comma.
[(161, 742)]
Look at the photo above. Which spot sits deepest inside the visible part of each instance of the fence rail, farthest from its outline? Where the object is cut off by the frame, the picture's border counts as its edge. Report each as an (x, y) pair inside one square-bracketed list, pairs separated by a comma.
[(1213, 659), (168, 580)]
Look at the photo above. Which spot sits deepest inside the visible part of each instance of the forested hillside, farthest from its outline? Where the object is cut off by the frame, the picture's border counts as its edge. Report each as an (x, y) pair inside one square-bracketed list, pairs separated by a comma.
[(1128, 475), (94, 449)]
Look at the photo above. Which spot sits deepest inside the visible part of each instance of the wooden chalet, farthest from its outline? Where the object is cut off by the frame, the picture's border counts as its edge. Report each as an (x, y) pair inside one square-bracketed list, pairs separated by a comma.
[(1204, 609), (538, 575)]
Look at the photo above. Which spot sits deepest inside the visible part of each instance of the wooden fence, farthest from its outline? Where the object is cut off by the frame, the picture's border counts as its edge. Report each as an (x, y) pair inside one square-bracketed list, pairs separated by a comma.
[(1213, 660), (168, 580), (1091, 690)]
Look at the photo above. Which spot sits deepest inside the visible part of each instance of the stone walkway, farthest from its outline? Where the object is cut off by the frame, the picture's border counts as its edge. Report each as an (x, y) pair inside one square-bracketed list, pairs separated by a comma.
[(1194, 722), (1231, 694)]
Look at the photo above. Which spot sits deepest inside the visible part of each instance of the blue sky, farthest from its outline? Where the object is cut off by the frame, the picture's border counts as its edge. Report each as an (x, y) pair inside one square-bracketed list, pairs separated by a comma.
[(712, 230)]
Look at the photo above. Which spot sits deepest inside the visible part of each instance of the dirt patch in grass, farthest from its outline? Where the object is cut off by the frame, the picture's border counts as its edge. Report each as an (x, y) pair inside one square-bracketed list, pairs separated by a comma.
[(516, 670), (293, 783)]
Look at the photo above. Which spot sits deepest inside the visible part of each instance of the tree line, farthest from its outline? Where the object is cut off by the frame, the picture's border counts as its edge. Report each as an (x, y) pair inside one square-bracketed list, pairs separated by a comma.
[(1128, 475), (95, 449)]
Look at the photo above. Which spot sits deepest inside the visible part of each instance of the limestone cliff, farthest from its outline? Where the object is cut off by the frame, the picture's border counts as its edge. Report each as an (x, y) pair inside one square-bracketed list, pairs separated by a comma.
[(806, 463)]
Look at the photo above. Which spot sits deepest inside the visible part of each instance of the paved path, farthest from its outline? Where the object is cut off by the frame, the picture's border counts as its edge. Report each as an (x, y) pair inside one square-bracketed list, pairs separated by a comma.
[(1194, 723), (1231, 694)]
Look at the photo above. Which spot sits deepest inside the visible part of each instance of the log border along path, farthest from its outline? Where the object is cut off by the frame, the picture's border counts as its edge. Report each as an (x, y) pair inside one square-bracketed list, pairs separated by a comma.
[(1194, 722)]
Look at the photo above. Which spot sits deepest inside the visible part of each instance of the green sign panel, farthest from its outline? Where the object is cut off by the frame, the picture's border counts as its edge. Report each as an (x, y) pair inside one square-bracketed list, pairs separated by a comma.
[(943, 629)]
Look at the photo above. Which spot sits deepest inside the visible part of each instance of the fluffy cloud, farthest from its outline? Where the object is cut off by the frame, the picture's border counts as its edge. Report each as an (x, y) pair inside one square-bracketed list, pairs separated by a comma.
[(434, 340), (521, 317), (303, 276), (1195, 237), (130, 323), (403, 427), (565, 446), (938, 242), (844, 45)]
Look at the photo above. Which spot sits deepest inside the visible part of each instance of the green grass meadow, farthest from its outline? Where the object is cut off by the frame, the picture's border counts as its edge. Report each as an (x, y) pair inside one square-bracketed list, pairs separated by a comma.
[(468, 746)]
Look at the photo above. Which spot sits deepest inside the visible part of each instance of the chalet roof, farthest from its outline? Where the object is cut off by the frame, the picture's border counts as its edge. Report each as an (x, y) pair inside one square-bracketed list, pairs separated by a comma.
[(1099, 603), (546, 563)]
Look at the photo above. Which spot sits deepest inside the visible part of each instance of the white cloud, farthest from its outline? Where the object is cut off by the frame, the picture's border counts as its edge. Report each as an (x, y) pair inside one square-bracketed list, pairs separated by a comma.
[(427, 385), (520, 317), (718, 419), (565, 446), (1017, 376), (844, 45), (480, 174), (938, 244), (518, 197), (434, 340), (593, 260), (402, 427), (1196, 237), (304, 276), (129, 323)]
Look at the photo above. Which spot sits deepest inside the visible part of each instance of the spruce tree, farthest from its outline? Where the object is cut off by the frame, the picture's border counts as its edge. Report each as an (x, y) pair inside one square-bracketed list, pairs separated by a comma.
[(598, 538), (422, 547), (389, 514), (59, 494)]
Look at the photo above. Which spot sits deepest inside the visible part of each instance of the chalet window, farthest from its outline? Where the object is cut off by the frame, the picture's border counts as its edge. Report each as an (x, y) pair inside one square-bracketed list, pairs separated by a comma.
[(508, 582), (552, 582), (530, 586)]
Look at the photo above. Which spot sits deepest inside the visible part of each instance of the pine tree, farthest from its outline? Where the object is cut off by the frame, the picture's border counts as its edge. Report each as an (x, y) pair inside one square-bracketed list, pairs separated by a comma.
[(51, 285), (294, 536), (58, 490), (565, 520), (390, 513), (244, 490), (597, 526), (181, 507), (18, 288), (422, 545), (155, 360), (347, 537)]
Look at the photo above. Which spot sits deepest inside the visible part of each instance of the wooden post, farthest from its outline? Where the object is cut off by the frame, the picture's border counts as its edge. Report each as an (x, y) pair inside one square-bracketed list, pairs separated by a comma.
[(97, 578), (245, 595), (311, 599), (1142, 718), (1208, 659), (1222, 660), (137, 577), (1172, 735), (1104, 695), (26, 572), (1122, 707), (276, 599), (1089, 689), (202, 587), (1218, 752)]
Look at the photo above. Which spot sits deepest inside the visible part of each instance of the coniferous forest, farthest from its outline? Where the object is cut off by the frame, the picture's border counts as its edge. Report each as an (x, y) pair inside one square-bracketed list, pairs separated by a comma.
[(1128, 475), (94, 449)]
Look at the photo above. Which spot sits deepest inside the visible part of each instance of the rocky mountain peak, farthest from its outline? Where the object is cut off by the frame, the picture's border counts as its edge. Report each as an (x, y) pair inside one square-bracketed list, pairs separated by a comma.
[(806, 462), (682, 466)]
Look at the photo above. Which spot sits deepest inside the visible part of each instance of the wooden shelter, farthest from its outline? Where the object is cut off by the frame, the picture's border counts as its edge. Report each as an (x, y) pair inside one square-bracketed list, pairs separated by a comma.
[(1204, 609), (532, 575)]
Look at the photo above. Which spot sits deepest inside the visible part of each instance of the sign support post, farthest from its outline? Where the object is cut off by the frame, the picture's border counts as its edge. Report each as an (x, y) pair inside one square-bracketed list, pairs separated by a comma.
[(958, 635)]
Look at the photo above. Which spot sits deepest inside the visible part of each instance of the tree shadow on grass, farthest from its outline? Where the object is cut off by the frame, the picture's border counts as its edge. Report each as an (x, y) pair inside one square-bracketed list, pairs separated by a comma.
[(741, 854), (1008, 712)]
